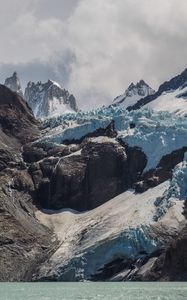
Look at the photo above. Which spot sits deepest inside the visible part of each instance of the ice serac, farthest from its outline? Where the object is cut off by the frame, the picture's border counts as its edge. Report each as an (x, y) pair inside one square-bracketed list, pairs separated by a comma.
[(133, 94), (49, 99), (14, 84), (171, 96), (145, 129)]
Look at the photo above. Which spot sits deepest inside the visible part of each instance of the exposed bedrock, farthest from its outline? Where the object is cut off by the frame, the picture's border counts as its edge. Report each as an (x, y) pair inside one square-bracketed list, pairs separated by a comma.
[(24, 242), (91, 176), (162, 172), (86, 175)]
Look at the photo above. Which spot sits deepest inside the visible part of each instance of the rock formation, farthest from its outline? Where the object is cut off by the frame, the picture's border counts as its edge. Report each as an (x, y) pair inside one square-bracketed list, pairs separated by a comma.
[(24, 242), (49, 99), (133, 94), (14, 84)]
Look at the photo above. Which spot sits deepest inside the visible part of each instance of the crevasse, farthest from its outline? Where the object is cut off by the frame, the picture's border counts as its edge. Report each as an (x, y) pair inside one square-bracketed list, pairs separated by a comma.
[(156, 133)]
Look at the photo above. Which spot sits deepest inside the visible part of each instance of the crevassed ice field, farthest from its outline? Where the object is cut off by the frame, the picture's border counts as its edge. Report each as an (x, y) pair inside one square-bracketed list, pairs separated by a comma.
[(161, 131)]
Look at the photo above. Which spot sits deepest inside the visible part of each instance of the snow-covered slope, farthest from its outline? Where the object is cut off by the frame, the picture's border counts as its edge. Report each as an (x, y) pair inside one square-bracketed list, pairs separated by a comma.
[(156, 133), (49, 99), (172, 101), (130, 226), (134, 93), (14, 84), (171, 96)]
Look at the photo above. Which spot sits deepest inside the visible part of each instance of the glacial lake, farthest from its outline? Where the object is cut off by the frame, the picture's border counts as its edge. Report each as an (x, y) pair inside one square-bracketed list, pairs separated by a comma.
[(93, 291)]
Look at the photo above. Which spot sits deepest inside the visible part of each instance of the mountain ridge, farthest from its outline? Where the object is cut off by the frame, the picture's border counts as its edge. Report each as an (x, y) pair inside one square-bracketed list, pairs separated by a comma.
[(178, 81), (46, 99), (133, 93)]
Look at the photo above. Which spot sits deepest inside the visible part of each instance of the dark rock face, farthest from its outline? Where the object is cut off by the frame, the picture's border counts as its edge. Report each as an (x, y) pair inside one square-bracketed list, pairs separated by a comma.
[(16, 117), (171, 264), (6, 157), (32, 154), (98, 173), (162, 172), (174, 267), (24, 242), (86, 182)]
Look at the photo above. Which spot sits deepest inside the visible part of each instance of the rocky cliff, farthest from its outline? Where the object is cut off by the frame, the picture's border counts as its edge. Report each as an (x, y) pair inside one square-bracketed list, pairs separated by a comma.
[(24, 242)]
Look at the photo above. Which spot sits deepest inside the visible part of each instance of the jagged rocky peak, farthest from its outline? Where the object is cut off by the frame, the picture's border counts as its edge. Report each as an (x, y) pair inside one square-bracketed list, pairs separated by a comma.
[(134, 93), (49, 99), (14, 84), (171, 96)]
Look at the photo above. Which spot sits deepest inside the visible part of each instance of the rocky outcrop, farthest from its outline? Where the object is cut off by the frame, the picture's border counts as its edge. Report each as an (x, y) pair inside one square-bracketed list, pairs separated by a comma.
[(14, 84), (49, 99), (24, 242), (16, 118), (162, 172), (85, 179)]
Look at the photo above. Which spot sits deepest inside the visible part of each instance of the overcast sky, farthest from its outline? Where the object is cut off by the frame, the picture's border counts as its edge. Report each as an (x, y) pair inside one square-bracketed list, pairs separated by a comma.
[(94, 48)]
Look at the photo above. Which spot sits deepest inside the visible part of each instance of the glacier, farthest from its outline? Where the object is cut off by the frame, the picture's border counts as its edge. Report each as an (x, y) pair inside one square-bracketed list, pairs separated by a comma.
[(177, 190), (130, 226), (161, 131), (174, 101), (120, 228)]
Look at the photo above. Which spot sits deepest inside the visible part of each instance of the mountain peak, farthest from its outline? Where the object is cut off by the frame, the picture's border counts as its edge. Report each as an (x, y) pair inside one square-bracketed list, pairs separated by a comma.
[(49, 99), (142, 82), (131, 86), (134, 93), (15, 74), (171, 96), (14, 84)]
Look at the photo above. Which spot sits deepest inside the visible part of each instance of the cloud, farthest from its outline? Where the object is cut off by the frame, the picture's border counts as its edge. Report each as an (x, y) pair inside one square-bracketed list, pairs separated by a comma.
[(38, 70), (95, 48)]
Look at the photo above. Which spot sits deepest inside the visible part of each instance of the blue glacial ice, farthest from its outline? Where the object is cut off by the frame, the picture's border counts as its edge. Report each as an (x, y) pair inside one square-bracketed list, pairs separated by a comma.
[(177, 190), (156, 133)]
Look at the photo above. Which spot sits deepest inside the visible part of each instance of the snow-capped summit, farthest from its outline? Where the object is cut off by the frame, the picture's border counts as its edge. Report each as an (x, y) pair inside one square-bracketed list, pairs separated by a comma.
[(14, 84), (49, 99), (133, 94), (171, 96)]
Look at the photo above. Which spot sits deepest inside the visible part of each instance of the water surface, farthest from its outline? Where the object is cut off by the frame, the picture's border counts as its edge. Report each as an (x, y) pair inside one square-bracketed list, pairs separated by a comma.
[(93, 291)]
